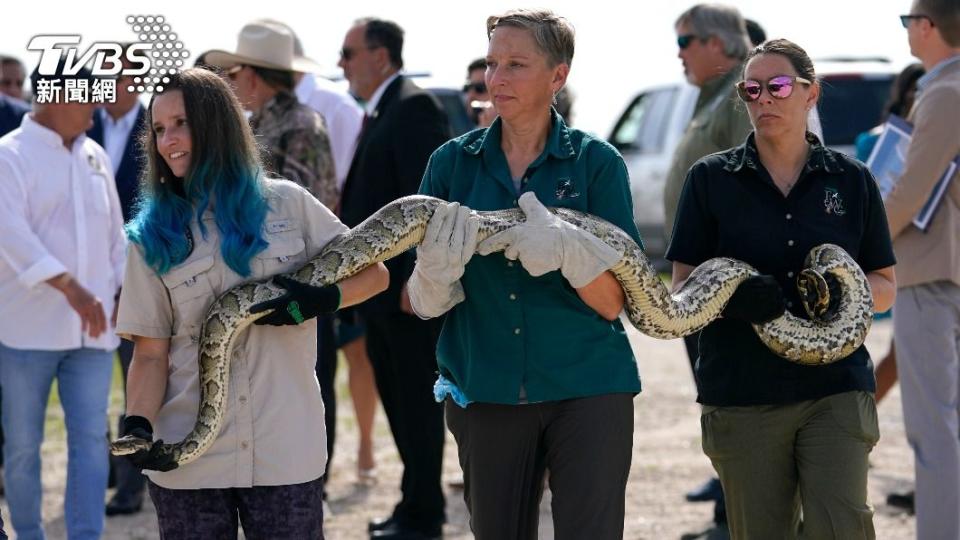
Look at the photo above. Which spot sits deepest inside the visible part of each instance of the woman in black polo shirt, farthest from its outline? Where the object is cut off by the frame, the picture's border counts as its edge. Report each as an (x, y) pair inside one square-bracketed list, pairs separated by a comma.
[(783, 436)]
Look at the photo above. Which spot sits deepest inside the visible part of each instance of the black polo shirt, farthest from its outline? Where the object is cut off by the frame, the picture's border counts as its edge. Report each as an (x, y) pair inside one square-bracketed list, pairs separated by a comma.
[(730, 207)]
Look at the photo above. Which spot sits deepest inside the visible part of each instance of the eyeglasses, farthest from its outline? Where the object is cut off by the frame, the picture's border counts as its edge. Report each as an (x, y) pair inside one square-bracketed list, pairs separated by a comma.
[(347, 53), (232, 72), (478, 87), (685, 40), (905, 19), (780, 87)]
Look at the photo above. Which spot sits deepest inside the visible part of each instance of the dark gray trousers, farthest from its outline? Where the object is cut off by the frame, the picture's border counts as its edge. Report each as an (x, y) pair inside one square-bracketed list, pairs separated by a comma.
[(504, 450), (292, 512)]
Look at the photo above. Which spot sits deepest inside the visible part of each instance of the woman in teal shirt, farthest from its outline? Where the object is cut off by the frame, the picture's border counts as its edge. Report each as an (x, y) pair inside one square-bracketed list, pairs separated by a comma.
[(532, 351)]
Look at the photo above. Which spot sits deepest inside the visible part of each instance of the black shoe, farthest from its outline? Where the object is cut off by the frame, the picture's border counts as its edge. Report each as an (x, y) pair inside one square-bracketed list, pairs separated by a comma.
[(381, 524), (711, 490), (401, 532), (122, 506), (720, 511), (904, 501)]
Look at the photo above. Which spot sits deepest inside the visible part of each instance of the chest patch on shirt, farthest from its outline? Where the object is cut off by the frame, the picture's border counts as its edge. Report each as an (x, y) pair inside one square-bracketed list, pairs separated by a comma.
[(280, 225), (95, 165), (566, 189), (832, 202)]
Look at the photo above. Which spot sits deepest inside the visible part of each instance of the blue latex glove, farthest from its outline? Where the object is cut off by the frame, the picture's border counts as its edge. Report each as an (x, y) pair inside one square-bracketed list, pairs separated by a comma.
[(444, 387)]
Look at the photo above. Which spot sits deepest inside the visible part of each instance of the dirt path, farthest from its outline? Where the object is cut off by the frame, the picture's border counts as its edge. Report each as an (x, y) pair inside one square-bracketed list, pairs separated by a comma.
[(667, 461)]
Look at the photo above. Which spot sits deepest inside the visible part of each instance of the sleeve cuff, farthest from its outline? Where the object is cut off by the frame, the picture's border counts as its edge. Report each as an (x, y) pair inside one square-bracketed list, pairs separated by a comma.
[(429, 299), (44, 269), (129, 331)]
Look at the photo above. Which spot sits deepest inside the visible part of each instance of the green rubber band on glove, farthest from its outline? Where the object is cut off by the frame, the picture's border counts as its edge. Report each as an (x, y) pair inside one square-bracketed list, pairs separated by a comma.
[(339, 296), (293, 308)]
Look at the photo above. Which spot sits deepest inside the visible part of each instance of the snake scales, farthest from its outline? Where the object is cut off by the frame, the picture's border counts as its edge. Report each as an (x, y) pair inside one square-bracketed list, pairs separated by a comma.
[(650, 306)]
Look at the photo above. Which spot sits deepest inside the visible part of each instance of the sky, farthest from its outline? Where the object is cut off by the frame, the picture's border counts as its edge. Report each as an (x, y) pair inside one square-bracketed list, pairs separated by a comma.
[(622, 46)]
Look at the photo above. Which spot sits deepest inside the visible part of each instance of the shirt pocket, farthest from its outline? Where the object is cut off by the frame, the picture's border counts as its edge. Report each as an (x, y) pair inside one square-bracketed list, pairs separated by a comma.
[(190, 292), (283, 254)]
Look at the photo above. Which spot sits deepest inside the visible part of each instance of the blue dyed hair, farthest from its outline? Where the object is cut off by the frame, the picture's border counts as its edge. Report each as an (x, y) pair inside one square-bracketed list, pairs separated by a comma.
[(224, 170)]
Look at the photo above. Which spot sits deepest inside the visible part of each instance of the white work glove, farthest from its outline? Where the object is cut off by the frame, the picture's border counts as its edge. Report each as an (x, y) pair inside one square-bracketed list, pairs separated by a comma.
[(448, 243), (545, 243)]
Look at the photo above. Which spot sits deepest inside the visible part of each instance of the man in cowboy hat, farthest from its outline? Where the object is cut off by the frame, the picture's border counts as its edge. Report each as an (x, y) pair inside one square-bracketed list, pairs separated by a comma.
[(262, 74)]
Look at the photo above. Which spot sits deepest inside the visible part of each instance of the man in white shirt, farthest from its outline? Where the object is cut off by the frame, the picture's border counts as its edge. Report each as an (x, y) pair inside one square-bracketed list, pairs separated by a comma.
[(61, 264), (118, 127)]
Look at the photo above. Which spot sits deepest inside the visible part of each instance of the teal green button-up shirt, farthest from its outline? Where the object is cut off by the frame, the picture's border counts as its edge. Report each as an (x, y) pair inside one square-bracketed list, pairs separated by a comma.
[(515, 331)]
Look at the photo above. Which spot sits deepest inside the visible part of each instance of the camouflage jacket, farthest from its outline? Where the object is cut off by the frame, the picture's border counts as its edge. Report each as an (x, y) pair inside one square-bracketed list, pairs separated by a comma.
[(297, 146)]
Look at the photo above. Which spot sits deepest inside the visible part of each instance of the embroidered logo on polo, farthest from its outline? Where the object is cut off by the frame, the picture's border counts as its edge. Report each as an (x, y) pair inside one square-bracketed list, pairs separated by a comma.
[(832, 202), (566, 190)]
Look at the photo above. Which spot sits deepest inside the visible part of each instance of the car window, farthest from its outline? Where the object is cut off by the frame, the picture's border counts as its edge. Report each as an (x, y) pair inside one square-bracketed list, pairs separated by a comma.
[(851, 105), (642, 128)]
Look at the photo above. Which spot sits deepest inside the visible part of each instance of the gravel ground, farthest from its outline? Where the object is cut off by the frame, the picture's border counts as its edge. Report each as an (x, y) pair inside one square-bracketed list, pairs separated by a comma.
[(667, 461)]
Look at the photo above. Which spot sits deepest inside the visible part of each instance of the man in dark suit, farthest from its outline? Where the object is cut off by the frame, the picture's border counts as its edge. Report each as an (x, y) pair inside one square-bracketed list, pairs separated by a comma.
[(117, 128), (11, 113), (402, 126)]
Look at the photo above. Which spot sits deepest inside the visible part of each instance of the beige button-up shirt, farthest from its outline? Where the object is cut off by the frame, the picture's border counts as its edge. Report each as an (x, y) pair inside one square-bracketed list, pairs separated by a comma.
[(273, 430), (934, 255)]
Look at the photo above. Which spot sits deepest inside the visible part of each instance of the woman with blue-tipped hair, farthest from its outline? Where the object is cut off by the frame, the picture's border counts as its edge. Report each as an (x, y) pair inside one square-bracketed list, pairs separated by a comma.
[(209, 220)]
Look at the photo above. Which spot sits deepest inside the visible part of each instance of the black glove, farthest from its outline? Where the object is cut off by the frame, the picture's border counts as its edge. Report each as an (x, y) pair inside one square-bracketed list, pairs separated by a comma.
[(757, 300), (154, 458), (300, 303)]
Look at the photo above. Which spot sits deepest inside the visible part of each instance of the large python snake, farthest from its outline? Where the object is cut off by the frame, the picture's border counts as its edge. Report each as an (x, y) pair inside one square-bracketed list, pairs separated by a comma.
[(651, 307)]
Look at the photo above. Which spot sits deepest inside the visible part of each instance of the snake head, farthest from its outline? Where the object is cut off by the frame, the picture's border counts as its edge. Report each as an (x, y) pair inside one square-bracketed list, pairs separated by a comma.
[(129, 444)]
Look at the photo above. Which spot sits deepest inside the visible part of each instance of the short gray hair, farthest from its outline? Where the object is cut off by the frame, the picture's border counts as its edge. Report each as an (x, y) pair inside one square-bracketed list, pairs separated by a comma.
[(720, 21), (553, 34)]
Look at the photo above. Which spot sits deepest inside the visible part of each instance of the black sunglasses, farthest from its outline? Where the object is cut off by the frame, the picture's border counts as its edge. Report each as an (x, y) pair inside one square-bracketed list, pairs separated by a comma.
[(905, 19), (347, 53), (232, 72), (478, 87), (685, 40)]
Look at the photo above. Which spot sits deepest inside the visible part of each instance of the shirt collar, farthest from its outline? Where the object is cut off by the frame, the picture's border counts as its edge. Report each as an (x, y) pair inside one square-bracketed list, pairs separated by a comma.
[(820, 158), (558, 140), (370, 106), (936, 70), (46, 135), (125, 122)]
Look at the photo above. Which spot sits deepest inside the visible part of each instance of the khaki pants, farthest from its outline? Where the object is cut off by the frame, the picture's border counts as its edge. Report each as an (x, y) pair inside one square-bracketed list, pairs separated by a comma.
[(926, 327), (775, 460)]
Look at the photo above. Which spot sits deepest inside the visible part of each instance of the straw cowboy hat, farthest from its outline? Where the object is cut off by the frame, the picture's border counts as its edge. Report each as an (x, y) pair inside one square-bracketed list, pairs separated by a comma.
[(263, 43)]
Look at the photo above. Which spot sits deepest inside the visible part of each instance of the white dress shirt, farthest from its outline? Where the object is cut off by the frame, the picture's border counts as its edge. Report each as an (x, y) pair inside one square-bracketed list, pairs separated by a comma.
[(116, 133), (59, 212), (342, 115)]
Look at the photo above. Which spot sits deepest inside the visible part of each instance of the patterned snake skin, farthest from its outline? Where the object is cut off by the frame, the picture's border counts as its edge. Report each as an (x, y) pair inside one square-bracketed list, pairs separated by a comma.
[(651, 308)]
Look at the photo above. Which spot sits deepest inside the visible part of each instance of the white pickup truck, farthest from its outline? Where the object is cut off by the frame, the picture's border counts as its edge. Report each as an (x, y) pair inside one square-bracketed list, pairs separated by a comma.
[(650, 127)]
